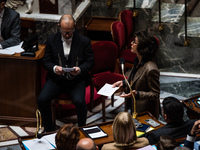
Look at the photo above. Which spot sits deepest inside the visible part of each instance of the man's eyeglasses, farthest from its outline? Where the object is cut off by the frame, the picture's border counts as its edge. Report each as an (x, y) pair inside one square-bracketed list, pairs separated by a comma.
[(68, 33), (134, 42)]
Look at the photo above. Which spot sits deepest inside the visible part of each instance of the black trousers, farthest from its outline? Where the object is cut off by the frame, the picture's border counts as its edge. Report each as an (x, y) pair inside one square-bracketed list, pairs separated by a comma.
[(51, 90)]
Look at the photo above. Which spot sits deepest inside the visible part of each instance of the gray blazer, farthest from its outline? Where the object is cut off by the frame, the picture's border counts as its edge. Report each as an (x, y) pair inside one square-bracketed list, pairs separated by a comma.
[(10, 28)]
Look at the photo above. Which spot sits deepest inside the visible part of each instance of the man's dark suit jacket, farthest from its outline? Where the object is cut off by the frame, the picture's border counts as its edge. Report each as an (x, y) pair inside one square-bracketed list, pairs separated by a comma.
[(81, 55), (189, 144), (175, 130), (10, 28)]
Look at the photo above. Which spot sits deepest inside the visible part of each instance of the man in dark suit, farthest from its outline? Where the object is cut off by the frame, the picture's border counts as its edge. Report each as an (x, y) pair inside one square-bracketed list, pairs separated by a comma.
[(71, 50), (10, 26), (191, 136), (176, 127)]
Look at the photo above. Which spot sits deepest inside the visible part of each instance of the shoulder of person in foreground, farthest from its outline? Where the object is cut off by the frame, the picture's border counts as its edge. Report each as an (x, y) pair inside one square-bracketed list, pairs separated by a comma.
[(154, 136), (141, 142), (110, 146)]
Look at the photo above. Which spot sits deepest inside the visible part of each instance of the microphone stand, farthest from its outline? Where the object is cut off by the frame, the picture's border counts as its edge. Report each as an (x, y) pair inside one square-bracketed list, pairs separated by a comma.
[(134, 114), (39, 124)]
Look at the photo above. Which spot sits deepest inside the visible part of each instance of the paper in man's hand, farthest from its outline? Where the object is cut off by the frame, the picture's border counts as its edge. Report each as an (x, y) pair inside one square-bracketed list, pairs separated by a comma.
[(107, 90), (68, 69)]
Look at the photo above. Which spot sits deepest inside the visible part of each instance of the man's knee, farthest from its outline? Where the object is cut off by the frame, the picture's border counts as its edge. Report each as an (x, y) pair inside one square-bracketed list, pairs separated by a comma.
[(42, 100)]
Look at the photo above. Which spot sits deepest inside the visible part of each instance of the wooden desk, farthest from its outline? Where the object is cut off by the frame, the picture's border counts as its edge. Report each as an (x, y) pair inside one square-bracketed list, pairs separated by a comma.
[(20, 87), (106, 127), (192, 111), (98, 28)]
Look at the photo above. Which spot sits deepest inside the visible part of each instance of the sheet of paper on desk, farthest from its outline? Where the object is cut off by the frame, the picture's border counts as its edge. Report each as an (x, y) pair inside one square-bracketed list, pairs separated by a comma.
[(16, 49), (45, 143), (148, 147), (67, 69), (12, 50), (7, 52), (107, 90), (51, 138), (40, 144), (94, 132)]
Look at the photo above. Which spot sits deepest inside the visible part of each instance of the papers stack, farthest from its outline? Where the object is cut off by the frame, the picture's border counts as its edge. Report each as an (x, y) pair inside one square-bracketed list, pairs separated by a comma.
[(45, 143), (12, 50)]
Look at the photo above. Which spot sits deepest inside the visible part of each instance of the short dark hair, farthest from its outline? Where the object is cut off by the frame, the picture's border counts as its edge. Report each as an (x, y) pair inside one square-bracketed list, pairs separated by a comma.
[(67, 137), (166, 142), (173, 108), (147, 45)]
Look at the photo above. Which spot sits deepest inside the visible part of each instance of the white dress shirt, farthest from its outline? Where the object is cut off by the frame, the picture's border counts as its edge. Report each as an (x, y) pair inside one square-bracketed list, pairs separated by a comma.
[(66, 48)]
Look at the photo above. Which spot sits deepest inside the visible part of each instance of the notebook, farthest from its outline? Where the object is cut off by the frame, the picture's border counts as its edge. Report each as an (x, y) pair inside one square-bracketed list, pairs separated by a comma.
[(144, 127), (94, 132)]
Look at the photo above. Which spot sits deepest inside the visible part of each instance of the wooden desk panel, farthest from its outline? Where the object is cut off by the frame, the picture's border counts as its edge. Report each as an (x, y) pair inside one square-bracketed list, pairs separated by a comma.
[(105, 126), (193, 111), (100, 24), (98, 28), (20, 86)]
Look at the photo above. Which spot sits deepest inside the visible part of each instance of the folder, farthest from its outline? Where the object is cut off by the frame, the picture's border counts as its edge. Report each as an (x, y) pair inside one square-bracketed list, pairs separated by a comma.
[(144, 127), (94, 132)]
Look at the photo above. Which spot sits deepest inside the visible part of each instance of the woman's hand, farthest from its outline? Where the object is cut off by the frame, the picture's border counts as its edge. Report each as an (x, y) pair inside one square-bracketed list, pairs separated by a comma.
[(118, 84), (129, 94)]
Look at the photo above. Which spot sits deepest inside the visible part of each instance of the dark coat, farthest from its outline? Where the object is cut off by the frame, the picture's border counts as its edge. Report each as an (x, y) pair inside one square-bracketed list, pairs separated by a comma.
[(10, 28), (81, 55), (174, 129)]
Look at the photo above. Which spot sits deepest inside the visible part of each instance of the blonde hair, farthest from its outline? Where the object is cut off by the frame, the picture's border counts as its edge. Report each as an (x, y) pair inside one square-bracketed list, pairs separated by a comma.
[(124, 130)]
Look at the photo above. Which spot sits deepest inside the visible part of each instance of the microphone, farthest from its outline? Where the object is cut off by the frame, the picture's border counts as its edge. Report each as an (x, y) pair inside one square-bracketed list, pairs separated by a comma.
[(122, 61), (134, 114)]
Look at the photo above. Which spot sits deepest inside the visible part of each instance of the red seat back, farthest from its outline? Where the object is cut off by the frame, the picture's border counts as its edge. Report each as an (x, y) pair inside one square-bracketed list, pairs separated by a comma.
[(126, 17), (105, 56), (118, 35)]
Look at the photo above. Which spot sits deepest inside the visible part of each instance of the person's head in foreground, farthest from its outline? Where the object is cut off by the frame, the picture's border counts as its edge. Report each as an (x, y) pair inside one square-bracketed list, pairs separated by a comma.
[(166, 143), (86, 144), (67, 137), (172, 109), (124, 130)]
